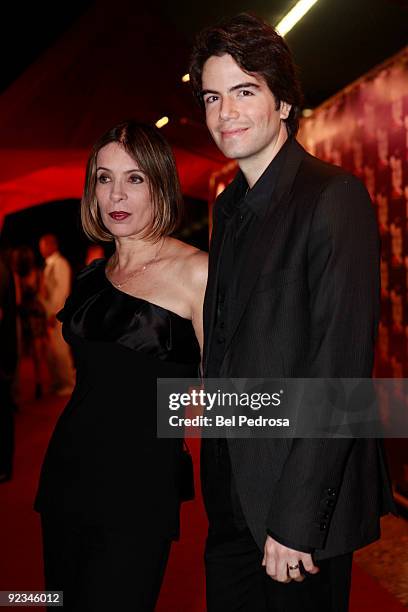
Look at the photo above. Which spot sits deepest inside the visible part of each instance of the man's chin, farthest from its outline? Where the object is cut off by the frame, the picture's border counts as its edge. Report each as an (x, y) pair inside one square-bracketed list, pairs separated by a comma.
[(233, 152)]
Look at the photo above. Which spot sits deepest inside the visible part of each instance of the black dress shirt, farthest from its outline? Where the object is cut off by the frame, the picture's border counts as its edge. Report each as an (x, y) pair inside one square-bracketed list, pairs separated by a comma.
[(221, 498)]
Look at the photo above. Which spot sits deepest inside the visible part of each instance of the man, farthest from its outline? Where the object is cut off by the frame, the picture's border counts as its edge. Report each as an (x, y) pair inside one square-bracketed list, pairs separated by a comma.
[(293, 291), (57, 283), (8, 363)]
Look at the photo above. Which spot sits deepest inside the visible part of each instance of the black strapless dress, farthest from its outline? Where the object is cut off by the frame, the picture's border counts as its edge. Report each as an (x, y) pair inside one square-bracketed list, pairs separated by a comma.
[(104, 463)]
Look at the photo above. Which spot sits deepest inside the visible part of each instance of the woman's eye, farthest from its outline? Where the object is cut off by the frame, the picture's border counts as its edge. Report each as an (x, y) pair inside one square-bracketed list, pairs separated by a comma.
[(135, 179), (103, 178)]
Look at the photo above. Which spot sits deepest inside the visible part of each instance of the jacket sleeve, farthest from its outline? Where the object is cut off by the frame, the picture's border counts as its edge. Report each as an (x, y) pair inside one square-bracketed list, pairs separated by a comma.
[(343, 275)]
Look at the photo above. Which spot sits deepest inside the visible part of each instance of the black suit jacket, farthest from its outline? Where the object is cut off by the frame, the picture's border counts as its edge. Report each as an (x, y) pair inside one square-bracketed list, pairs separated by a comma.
[(307, 306)]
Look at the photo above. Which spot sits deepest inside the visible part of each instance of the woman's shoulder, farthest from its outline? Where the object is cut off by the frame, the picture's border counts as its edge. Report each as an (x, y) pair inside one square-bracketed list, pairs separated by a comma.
[(189, 261), (190, 266), (185, 253), (88, 281), (90, 278), (96, 264)]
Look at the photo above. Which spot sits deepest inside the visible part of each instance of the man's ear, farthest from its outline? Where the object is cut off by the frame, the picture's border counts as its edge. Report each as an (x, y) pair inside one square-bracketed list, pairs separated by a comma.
[(284, 109)]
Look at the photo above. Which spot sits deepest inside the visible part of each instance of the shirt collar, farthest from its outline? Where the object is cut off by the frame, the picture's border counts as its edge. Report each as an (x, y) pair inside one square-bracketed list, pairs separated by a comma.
[(256, 199)]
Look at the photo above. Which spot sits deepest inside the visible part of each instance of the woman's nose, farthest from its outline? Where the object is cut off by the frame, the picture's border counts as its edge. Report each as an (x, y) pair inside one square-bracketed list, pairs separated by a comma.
[(118, 193)]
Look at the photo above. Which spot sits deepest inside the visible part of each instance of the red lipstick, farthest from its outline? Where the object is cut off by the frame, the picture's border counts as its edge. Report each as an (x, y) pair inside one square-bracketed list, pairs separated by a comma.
[(119, 215)]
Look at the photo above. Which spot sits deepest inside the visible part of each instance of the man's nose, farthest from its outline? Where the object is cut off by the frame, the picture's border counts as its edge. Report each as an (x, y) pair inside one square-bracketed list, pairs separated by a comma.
[(228, 109)]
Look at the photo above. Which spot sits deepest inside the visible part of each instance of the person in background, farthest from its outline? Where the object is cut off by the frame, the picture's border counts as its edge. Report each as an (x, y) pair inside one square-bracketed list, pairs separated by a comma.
[(8, 363), (55, 290), (31, 311), (94, 251)]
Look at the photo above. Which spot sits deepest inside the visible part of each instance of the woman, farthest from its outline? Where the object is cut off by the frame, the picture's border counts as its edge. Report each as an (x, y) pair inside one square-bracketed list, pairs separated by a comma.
[(109, 489)]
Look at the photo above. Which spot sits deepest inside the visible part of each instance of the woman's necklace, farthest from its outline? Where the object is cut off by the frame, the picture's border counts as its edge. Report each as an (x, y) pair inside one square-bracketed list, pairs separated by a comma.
[(140, 270)]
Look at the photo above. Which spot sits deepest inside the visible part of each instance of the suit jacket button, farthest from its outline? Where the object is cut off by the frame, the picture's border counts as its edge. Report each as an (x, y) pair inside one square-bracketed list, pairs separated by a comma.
[(326, 515), (331, 492), (330, 503), (323, 526)]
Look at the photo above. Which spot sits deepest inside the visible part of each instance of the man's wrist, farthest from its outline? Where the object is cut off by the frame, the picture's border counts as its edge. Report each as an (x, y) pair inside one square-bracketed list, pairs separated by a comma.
[(300, 547)]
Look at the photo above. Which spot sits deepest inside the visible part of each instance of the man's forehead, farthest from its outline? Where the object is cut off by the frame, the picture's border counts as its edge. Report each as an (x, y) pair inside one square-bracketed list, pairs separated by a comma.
[(225, 70)]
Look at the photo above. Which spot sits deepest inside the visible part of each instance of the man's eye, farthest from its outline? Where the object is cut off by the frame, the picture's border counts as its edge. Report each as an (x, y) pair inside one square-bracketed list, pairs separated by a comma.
[(245, 92), (210, 99), (135, 179), (103, 178)]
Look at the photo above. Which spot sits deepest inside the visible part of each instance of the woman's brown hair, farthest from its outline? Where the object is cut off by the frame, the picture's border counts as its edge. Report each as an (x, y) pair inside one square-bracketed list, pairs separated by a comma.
[(154, 157)]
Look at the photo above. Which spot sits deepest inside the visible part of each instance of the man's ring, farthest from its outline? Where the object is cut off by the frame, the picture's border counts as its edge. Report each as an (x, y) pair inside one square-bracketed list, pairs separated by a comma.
[(293, 567)]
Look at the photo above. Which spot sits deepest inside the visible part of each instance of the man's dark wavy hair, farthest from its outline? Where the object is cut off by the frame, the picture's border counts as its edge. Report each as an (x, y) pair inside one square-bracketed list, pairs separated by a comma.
[(258, 49)]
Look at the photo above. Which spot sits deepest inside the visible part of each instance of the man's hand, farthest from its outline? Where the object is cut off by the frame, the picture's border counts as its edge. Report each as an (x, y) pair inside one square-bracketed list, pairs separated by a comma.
[(277, 559)]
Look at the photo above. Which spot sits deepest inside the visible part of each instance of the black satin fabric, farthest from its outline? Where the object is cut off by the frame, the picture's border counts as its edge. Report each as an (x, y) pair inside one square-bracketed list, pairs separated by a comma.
[(98, 311), (104, 463)]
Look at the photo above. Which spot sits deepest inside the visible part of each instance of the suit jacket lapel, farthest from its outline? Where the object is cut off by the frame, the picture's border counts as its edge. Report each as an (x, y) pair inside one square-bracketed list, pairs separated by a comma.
[(210, 299), (262, 234), (217, 243)]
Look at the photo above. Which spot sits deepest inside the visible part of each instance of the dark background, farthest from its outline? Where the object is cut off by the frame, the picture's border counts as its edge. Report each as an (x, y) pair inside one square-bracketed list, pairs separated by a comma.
[(335, 43)]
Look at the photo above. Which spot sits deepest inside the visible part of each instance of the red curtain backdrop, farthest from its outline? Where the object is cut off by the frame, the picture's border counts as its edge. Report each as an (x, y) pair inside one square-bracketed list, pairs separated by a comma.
[(365, 129)]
